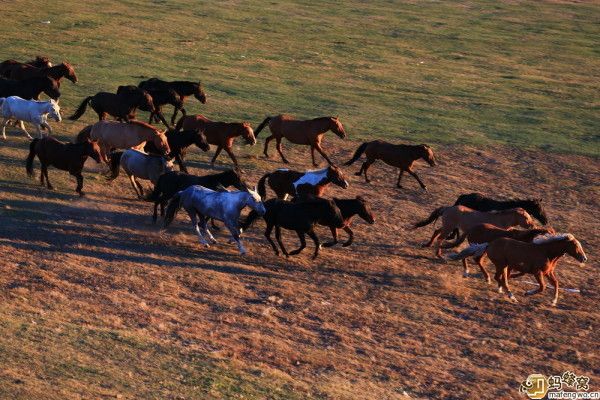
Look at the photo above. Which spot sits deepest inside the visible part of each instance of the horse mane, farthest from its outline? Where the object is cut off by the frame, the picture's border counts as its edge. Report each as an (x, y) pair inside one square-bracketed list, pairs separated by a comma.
[(144, 124), (508, 210), (548, 238)]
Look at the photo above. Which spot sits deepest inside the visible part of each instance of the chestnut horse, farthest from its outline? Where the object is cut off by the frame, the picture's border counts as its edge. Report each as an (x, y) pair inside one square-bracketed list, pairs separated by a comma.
[(124, 135), (7, 66), (309, 133), (57, 72), (401, 156), (286, 182), (485, 233), (538, 258), (464, 218), (65, 156), (220, 134)]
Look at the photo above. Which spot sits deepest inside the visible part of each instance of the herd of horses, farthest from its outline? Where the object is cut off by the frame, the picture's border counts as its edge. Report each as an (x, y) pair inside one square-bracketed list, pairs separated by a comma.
[(503, 230)]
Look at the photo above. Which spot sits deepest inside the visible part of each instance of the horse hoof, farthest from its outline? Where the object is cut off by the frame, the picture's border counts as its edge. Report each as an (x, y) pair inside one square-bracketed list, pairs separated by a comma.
[(425, 188), (554, 303), (465, 275)]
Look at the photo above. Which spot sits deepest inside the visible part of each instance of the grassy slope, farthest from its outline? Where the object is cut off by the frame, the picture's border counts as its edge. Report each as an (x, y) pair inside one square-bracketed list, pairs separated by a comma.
[(482, 71)]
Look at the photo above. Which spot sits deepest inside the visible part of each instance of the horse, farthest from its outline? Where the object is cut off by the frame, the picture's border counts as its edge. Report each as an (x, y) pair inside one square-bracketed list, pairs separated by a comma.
[(138, 164), (7, 66), (308, 132), (179, 142), (479, 202), (64, 156), (183, 88), (57, 72), (120, 135), (163, 96), (202, 203), (301, 216), (122, 106), (485, 233), (33, 111), (155, 110), (310, 183), (31, 88), (220, 134), (349, 208), (172, 182), (464, 218), (402, 156), (538, 258)]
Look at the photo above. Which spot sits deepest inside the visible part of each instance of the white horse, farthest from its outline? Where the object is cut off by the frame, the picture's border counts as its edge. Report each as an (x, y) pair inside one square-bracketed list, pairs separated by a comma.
[(33, 111), (138, 164), (202, 203)]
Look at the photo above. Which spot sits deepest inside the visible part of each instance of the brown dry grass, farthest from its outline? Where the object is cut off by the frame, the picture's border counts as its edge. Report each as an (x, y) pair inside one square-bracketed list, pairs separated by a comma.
[(378, 320)]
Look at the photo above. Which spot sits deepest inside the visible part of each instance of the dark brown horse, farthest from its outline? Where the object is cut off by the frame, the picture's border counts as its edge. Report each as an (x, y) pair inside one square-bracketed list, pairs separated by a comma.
[(308, 133), (57, 72), (220, 134), (155, 110), (122, 106), (538, 258), (301, 184), (401, 156), (184, 89), (7, 66), (349, 208), (65, 156), (485, 233), (30, 89)]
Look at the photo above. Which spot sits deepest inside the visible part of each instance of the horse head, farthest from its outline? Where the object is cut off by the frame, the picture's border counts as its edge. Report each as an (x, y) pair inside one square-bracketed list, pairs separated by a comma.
[(92, 149), (69, 72), (54, 110), (534, 207), (51, 88), (199, 93), (146, 101), (254, 201), (427, 154), (248, 134), (200, 140), (335, 176), (337, 127), (574, 249), (161, 143), (364, 211)]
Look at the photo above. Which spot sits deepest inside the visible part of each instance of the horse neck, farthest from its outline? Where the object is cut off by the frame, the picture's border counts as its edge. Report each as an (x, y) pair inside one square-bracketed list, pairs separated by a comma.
[(56, 72), (525, 204), (348, 208), (555, 249), (416, 153), (323, 124)]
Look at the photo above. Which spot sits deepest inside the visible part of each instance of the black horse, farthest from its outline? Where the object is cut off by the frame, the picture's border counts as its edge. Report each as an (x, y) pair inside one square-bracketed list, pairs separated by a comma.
[(7, 66), (31, 88), (479, 202), (159, 98), (172, 182), (178, 143), (349, 208), (122, 105), (184, 89), (300, 216)]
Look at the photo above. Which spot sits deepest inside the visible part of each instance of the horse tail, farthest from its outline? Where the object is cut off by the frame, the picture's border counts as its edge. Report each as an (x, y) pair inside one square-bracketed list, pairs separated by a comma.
[(30, 157), (172, 208), (476, 249), (84, 135), (253, 216), (432, 218), (81, 109), (261, 126), (361, 149), (115, 164), (261, 187), (459, 240)]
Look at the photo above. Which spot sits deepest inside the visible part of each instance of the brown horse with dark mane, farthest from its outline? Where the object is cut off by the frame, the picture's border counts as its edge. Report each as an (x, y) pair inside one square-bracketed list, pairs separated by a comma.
[(57, 72), (184, 89), (286, 182), (220, 134), (401, 156), (485, 233), (349, 208), (538, 258), (308, 133), (7, 66), (65, 156), (122, 106)]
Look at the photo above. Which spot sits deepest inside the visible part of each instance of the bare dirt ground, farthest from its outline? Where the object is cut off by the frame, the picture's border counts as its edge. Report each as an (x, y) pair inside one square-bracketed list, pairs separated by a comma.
[(381, 319)]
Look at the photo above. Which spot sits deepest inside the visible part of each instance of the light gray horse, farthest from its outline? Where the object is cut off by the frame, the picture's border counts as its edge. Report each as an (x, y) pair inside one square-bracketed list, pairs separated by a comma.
[(138, 164), (202, 203), (33, 111)]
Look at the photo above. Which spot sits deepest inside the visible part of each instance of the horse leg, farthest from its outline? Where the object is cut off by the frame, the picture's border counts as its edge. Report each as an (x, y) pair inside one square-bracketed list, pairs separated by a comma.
[(278, 237), (302, 243), (214, 225), (364, 169), (539, 277), (315, 239), (554, 282), (320, 150), (196, 224), (505, 285), (418, 180), (436, 233), (134, 184), (45, 173), (268, 236), (235, 234), (231, 155), (279, 150), (212, 162), (22, 127), (438, 249), (479, 260), (48, 127), (140, 187), (179, 162), (79, 188), (466, 268), (267, 140), (155, 214), (4, 123), (400, 178), (312, 155), (335, 237), (350, 236)]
